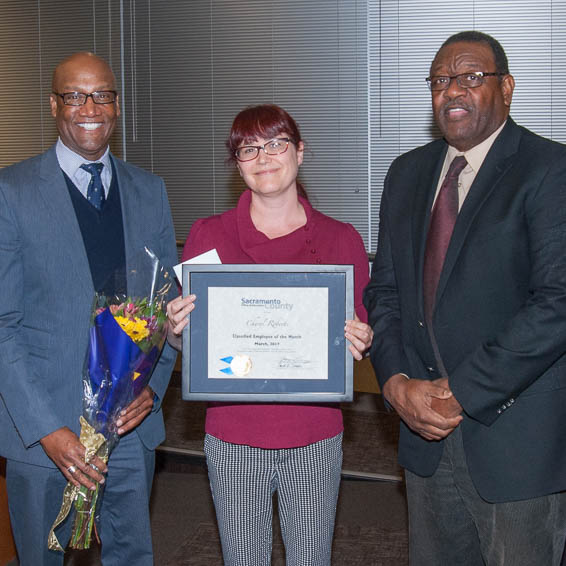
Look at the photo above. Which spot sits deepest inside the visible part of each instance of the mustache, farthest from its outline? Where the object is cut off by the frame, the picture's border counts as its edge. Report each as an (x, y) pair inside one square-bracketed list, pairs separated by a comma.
[(456, 104)]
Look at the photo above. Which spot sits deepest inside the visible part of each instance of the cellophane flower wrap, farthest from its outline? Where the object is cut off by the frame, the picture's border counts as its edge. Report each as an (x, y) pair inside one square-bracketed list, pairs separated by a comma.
[(126, 336)]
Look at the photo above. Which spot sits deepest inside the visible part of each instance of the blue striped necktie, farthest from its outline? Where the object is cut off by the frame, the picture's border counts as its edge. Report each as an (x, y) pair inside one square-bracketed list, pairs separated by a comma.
[(95, 191)]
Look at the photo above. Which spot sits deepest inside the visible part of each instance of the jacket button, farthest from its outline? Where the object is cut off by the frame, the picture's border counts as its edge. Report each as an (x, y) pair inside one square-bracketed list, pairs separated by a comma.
[(420, 323), (430, 369), (499, 411), (313, 251)]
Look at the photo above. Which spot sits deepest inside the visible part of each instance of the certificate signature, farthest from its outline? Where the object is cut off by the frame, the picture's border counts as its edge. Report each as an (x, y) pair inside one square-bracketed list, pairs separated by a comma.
[(293, 363)]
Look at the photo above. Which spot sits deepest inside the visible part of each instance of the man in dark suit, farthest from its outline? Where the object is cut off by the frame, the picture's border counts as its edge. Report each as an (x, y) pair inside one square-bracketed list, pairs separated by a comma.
[(65, 230), (468, 304)]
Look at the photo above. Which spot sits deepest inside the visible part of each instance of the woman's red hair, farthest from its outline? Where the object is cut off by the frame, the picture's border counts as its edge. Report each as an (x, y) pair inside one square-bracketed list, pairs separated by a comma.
[(264, 121)]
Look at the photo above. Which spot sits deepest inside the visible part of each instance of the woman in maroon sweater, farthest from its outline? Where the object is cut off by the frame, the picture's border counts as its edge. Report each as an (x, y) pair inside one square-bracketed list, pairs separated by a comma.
[(254, 450)]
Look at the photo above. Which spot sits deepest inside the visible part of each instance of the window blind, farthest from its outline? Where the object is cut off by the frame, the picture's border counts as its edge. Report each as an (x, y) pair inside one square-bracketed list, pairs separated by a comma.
[(351, 72)]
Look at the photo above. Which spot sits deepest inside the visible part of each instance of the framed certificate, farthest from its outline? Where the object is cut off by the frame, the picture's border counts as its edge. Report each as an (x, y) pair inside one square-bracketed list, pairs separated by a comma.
[(262, 333)]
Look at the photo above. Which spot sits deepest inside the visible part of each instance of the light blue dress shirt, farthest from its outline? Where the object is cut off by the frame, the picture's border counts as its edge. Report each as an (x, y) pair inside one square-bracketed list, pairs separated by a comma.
[(71, 163)]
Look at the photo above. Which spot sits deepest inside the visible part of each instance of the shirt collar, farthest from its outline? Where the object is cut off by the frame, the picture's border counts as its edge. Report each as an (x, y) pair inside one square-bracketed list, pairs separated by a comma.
[(476, 155), (250, 237), (70, 162)]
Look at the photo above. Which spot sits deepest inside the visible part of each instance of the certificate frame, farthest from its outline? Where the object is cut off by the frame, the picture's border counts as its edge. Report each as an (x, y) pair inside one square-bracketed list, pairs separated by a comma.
[(198, 385)]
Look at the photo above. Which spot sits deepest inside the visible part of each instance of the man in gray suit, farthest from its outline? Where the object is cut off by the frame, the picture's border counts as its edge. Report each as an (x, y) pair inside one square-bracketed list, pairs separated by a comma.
[(70, 218)]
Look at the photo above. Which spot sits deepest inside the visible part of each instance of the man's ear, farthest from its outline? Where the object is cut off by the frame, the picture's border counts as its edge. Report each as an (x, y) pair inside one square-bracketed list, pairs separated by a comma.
[(53, 104), (507, 87)]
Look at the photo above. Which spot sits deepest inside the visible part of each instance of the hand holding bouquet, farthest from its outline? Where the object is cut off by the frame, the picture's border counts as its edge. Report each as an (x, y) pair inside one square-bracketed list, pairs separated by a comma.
[(126, 336)]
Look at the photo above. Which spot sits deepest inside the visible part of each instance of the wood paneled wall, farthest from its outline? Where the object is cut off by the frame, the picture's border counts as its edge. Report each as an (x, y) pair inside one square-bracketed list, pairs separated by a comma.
[(7, 549)]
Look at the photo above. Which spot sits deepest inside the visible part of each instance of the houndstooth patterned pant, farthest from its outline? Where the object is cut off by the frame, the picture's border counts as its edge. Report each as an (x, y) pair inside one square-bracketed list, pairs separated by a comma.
[(243, 480)]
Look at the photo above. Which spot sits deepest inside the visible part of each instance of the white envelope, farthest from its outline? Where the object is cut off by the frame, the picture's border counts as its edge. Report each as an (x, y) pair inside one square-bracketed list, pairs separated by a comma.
[(209, 257)]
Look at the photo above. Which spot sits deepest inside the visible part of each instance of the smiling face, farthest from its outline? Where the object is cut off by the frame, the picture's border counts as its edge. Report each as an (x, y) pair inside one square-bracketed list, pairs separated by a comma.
[(271, 175), (467, 116), (84, 129)]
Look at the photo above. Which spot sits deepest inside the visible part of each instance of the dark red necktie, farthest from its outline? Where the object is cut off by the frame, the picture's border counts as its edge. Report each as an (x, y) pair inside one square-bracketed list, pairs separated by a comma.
[(442, 222)]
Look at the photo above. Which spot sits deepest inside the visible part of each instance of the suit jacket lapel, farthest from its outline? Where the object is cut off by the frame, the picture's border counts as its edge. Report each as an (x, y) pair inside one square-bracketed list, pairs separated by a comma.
[(128, 202), (134, 231), (54, 192), (497, 161)]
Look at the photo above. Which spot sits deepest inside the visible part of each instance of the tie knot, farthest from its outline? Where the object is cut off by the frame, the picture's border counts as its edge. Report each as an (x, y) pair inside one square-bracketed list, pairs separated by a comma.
[(458, 163), (95, 169)]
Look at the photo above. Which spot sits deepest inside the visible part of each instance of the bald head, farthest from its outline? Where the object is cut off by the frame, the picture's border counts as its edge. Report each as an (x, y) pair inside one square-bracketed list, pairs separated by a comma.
[(84, 129), (83, 60)]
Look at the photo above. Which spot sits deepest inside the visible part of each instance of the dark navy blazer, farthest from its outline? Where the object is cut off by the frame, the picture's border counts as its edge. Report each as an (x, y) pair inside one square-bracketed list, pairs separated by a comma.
[(500, 316)]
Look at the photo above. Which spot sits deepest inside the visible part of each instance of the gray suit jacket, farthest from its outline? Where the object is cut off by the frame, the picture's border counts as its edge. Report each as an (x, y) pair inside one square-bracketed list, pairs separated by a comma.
[(46, 295), (500, 313)]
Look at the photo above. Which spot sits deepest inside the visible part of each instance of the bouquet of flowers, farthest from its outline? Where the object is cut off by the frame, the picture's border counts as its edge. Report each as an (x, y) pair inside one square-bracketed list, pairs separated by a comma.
[(126, 336)]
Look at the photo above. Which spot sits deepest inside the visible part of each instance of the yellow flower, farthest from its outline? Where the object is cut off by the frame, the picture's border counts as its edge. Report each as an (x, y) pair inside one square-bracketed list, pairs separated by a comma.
[(135, 328)]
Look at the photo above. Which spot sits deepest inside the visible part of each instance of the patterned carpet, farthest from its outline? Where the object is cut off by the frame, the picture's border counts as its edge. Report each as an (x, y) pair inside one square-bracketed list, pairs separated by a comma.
[(361, 546)]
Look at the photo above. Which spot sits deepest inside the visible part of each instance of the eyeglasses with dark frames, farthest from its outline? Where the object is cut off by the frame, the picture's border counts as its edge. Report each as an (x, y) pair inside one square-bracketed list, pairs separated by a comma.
[(80, 98), (275, 146), (472, 79)]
